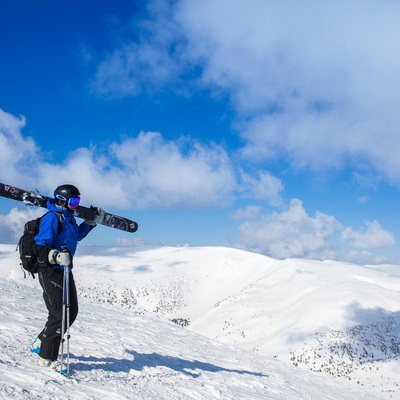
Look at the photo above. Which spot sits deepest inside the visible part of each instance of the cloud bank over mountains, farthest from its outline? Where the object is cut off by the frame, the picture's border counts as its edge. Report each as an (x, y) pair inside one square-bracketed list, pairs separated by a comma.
[(149, 171)]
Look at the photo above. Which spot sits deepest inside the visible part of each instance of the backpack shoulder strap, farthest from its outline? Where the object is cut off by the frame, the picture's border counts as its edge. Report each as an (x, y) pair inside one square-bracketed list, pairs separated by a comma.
[(60, 218)]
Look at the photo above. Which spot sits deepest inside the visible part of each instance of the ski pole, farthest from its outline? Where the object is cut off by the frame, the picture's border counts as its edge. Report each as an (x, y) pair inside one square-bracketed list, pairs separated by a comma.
[(65, 325)]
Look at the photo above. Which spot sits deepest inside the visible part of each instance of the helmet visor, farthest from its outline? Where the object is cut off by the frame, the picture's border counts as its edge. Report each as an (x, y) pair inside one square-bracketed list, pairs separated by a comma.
[(74, 201)]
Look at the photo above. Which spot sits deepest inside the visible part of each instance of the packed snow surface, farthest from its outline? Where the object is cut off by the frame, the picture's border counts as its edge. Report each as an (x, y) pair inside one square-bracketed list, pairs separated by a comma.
[(245, 327)]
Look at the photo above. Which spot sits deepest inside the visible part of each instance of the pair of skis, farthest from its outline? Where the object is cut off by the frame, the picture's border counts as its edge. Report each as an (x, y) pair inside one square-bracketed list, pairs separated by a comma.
[(33, 198)]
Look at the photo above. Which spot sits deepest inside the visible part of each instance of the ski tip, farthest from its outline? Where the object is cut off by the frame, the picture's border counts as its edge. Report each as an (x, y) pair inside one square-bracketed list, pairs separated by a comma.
[(134, 227)]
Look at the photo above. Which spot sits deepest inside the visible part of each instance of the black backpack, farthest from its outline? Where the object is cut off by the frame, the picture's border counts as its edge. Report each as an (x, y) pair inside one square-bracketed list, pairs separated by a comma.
[(26, 243)]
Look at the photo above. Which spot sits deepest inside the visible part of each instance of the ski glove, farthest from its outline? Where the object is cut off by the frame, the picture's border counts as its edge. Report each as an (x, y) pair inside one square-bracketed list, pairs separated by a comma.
[(98, 211), (61, 258)]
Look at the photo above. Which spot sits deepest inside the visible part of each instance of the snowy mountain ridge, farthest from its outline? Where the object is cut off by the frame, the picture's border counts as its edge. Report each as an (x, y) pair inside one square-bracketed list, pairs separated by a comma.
[(334, 318)]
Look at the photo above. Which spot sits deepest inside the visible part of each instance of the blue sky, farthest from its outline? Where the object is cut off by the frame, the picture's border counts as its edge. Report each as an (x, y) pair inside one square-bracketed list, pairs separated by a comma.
[(269, 126)]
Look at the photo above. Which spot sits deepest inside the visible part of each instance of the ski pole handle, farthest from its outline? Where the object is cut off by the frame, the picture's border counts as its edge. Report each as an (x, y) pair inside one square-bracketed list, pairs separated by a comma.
[(66, 256)]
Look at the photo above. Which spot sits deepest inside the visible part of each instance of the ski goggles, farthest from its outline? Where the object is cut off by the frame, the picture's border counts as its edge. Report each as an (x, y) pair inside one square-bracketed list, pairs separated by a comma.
[(74, 201)]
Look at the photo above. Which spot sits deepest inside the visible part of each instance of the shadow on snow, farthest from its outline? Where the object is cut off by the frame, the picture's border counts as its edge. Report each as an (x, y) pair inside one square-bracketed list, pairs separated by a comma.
[(193, 368)]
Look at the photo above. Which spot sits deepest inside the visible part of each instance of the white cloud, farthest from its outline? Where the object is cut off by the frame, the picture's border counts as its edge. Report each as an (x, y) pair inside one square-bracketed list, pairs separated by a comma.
[(364, 257), (294, 233), (150, 62), (314, 81), (141, 172), (373, 236), (131, 68), (12, 224), (323, 92), (166, 173), (291, 233), (147, 171), (18, 154), (91, 170), (261, 186)]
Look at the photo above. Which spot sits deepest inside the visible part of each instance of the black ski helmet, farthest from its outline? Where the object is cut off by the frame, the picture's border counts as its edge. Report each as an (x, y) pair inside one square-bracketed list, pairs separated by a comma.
[(63, 193)]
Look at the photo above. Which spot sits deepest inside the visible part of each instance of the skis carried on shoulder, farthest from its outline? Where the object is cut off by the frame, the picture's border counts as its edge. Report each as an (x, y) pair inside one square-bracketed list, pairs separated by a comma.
[(33, 198)]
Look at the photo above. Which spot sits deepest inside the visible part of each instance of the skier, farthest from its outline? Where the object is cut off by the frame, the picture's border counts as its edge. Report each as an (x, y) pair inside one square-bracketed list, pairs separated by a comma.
[(52, 259)]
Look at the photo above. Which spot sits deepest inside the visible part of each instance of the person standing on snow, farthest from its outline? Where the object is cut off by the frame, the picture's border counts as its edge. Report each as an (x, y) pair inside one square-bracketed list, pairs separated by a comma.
[(57, 228)]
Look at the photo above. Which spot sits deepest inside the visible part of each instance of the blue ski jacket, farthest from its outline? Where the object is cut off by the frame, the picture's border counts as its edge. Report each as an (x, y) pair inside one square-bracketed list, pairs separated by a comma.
[(70, 234)]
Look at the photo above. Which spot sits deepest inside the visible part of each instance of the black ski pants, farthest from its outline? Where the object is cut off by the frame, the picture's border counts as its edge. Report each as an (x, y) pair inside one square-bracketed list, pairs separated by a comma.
[(52, 283)]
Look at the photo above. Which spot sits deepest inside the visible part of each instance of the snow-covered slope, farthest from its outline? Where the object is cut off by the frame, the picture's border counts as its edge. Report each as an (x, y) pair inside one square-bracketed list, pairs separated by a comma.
[(118, 354), (339, 319)]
